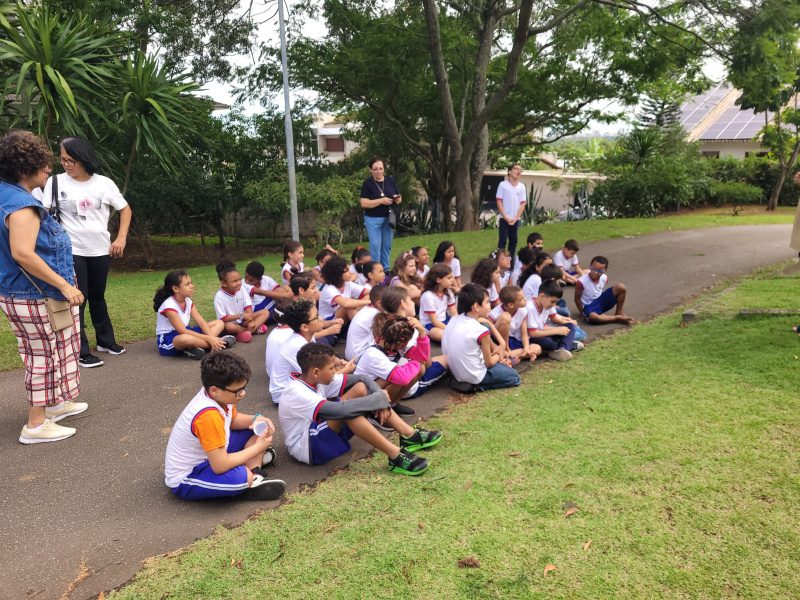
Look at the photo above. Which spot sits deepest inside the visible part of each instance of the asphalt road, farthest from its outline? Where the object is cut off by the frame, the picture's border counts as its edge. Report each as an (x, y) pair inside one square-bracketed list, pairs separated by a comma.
[(82, 514)]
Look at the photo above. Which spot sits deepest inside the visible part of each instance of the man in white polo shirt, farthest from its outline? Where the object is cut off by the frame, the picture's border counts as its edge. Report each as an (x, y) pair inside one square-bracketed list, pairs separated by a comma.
[(511, 199)]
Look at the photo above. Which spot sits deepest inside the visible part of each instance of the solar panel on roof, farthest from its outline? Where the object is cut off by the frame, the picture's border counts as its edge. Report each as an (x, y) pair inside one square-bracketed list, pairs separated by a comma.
[(735, 124), (695, 110)]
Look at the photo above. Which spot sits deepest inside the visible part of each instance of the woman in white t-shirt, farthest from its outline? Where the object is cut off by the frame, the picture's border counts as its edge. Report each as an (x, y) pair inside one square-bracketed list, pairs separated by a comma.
[(511, 200), (85, 200)]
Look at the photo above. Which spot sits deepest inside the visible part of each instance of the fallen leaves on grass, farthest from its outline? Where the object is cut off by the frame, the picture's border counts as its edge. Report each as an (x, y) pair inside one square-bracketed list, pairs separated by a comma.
[(468, 485), (570, 511), (470, 562), (101, 596), (549, 568), (515, 454), (587, 545), (237, 563)]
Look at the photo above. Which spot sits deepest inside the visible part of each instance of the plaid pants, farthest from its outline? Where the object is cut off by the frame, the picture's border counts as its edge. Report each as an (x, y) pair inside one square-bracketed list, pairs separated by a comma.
[(50, 357)]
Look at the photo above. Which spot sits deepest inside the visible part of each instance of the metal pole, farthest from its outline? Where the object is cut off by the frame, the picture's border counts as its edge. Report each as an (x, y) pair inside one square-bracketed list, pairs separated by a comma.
[(287, 115)]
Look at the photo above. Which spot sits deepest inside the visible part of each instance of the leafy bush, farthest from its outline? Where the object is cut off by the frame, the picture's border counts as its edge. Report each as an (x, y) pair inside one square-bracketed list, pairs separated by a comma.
[(734, 192)]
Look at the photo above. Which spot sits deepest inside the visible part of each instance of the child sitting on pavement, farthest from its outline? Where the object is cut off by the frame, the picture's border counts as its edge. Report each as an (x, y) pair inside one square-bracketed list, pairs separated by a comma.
[(234, 306), (559, 341), (510, 317), (359, 334), (593, 301), (212, 450), (567, 260), (472, 357), (264, 291), (318, 428)]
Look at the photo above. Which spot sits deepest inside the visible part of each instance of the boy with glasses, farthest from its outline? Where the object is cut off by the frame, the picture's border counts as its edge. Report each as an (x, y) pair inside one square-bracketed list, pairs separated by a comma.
[(213, 451), (593, 301)]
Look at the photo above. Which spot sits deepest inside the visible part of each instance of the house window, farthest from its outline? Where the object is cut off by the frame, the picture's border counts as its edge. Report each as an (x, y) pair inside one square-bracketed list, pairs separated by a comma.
[(711, 153), (334, 144)]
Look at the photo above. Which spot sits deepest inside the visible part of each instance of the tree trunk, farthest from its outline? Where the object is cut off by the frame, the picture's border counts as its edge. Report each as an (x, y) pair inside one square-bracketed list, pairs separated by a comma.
[(221, 235), (143, 237), (772, 204), (465, 211)]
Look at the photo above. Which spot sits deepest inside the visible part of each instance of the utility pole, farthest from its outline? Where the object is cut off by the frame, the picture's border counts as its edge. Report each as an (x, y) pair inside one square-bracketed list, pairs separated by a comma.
[(287, 115)]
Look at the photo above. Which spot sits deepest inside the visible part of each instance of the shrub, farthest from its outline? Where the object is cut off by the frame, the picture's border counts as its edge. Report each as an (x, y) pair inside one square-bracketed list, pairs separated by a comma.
[(734, 192)]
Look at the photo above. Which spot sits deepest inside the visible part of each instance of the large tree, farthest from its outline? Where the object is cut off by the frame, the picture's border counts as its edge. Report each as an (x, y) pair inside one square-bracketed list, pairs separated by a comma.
[(458, 79)]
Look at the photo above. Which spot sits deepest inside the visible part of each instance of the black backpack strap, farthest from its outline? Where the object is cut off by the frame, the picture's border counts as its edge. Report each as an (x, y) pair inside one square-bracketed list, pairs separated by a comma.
[(55, 211)]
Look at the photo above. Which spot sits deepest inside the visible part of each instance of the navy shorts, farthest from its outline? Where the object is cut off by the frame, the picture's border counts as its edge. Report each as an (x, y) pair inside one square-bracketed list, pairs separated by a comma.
[(432, 374), (266, 303), (514, 343), (325, 444), (164, 342), (605, 302), (203, 484), (429, 326)]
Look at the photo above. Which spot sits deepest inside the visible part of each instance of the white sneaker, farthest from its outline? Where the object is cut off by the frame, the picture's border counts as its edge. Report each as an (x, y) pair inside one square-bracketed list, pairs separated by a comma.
[(577, 346), (561, 355), (64, 410), (48, 432)]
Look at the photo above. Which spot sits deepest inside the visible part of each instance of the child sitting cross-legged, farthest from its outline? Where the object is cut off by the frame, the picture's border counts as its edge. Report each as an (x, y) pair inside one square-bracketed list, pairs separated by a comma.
[(359, 334), (212, 450), (339, 297), (437, 304), (593, 302), (472, 357), (510, 317), (234, 306), (553, 332), (321, 410), (400, 361), (264, 290)]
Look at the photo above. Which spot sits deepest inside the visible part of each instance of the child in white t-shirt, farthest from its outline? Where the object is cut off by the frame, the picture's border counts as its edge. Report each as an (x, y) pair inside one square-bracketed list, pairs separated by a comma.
[(422, 257), (339, 298), (372, 273), (293, 255), (359, 334), (487, 274), (264, 291), (212, 450), (510, 317), (403, 368), (567, 260), (593, 302), (553, 332), (234, 306), (446, 254), (472, 357), (531, 277), (437, 304), (322, 257), (359, 256), (174, 311), (318, 429)]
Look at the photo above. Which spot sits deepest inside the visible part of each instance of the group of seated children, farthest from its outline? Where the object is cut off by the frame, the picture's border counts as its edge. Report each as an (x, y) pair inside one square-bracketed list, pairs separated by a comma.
[(485, 327)]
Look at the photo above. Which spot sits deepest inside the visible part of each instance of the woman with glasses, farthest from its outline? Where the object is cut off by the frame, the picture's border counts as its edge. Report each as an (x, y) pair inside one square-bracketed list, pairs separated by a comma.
[(32, 240), (378, 193), (81, 200)]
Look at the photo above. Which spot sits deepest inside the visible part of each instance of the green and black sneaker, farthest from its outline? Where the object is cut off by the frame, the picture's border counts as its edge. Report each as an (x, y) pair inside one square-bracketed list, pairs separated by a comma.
[(408, 463), (421, 439)]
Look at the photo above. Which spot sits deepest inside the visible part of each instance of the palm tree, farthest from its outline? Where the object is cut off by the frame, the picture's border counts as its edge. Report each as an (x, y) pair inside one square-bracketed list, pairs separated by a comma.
[(59, 69)]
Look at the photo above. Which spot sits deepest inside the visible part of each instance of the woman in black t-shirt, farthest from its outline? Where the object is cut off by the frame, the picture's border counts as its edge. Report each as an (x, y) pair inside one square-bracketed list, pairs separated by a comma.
[(378, 193)]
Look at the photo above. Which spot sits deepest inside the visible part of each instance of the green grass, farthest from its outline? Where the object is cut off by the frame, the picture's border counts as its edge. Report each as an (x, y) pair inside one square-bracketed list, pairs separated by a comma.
[(678, 445), (129, 295)]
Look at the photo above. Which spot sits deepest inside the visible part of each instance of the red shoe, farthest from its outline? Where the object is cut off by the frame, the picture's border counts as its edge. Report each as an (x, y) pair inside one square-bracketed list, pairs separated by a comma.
[(244, 337)]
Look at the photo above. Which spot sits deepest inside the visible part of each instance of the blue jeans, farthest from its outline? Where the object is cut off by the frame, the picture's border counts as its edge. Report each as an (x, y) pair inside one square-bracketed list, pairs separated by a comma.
[(499, 376), (380, 239), (556, 342)]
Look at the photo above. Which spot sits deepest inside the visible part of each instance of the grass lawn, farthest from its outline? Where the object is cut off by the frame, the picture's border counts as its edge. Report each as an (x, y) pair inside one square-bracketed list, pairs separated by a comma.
[(129, 295), (678, 447)]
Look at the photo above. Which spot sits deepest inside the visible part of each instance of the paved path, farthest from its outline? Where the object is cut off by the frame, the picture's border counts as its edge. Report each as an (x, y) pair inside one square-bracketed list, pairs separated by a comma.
[(97, 501)]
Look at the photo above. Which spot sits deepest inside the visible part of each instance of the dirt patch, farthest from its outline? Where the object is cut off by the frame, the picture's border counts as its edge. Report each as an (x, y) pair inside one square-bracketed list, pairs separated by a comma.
[(168, 255)]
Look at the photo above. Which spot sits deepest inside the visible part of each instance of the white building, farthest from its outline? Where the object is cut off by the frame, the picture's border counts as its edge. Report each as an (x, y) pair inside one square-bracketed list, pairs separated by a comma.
[(331, 143)]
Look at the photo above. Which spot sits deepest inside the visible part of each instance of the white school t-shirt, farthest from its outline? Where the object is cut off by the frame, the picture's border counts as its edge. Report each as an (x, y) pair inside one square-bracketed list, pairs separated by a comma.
[(375, 364), (267, 283), (455, 267), (422, 274), (329, 293), (462, 345), (512, 196), (298, 410), (360, 279), (505, 278), (287, 274), (85, 208), (592, 290), (531, 288), (539, 319), (493, 293), (228, 305), (359, 334), (561, 261), (515, 273), (163, 324), (515, 327), (275, 341), (285, 364), (431, 303)]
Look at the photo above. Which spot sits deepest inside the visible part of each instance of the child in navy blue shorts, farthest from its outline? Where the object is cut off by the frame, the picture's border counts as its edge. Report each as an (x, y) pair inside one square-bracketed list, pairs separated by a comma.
[(593, 301), (320, 410), (213, 451)]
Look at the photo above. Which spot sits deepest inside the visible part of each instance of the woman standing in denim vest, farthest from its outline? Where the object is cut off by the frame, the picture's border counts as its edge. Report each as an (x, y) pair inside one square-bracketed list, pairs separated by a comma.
[(378, 193), (31, 239)]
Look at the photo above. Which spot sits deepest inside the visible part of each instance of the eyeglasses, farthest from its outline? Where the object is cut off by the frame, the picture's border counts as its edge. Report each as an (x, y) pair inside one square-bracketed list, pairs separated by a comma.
[(237, 393), (67, 162)]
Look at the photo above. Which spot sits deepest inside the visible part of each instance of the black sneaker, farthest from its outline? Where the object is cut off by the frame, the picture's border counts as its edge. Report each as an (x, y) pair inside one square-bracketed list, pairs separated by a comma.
[(89, 361), (403, 410), (421, 439), (377, 425), (116, 349), (576, 347), (263, 488), (408, 463), (229, 340), (194, 353)]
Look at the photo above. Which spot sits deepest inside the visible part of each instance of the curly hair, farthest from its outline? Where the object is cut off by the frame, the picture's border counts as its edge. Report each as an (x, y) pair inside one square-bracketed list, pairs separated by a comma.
[(333, 271), (483, 272), (393, 332), (22, 154)]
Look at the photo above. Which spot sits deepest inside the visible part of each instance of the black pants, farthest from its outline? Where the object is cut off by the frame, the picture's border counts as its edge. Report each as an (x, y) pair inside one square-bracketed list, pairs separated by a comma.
[(92, 274), (509, 232)]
